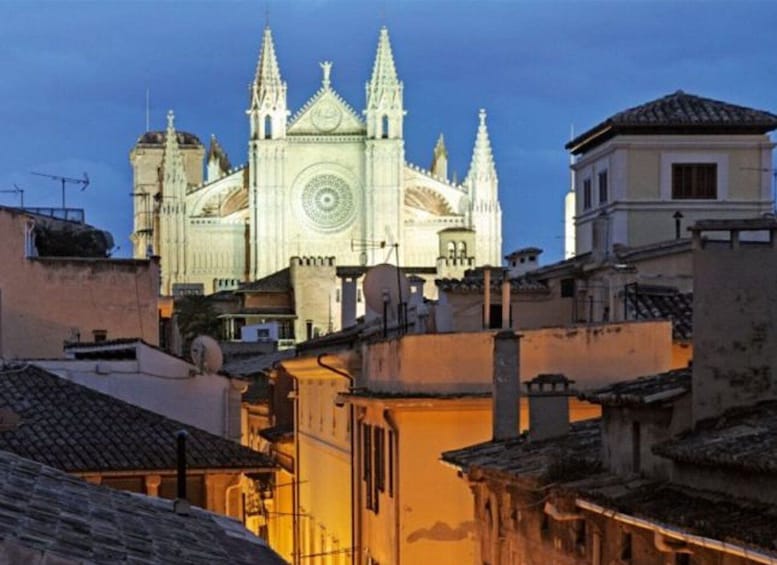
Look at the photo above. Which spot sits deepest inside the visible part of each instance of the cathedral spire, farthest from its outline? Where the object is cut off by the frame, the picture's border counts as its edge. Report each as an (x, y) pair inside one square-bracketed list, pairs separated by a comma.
[(482, 168), (268, 94), (440, 159), (174, 172), (384, 72), (268, 74), (384, 94)]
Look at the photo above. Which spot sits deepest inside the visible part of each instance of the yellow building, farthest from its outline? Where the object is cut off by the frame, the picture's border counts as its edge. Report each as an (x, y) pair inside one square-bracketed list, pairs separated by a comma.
[(369, 427)]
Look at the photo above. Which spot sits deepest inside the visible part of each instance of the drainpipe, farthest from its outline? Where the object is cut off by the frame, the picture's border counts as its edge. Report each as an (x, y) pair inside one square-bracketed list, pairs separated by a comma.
[(297, 553), (387, 416), (708, 543), (354, 482), (486, 298)]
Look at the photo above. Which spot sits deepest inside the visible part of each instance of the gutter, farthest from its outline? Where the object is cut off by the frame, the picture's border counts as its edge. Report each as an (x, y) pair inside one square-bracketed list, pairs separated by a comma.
[(669, 532)]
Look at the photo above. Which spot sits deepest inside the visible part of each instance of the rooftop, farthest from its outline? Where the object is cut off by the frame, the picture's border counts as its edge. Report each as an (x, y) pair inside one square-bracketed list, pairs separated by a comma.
[(77, 429), (185, 139), (569, 457), (677, 113), (50, 516), (473, 282), (279, 281), (643, 390), (649, 302), (701, 513), (743, 439)]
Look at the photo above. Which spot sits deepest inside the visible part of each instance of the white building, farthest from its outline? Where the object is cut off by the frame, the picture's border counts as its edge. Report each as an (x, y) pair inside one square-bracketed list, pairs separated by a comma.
[(326, 181)]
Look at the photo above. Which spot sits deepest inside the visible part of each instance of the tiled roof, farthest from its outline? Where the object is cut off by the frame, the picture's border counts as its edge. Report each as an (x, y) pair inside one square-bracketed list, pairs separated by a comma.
[(47, 516), (680, 112), (701, 513), (646, 302), (566, 458), (473, 282), (741, 439), (644, 390), (158, 138), (279, 281), (257, 363), (77, 429)]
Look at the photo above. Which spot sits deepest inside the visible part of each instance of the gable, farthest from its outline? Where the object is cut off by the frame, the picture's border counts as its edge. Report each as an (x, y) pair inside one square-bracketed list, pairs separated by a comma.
[(326, 114)]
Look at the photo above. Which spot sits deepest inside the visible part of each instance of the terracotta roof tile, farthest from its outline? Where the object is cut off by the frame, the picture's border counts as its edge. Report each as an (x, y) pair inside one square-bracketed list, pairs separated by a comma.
[(77, 429), (48, 516)]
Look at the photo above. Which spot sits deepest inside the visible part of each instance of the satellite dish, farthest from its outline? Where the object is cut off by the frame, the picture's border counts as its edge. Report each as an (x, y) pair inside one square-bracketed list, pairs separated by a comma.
[(385, 284), (206, 354)]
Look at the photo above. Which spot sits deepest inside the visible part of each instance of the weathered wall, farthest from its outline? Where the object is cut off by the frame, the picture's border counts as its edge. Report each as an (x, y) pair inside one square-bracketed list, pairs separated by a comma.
[(314, 281), (735, 326), (46, 302)]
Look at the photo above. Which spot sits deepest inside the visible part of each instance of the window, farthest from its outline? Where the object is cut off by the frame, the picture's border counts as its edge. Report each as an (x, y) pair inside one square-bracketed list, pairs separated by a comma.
[(682, 558), (367, 464), (586, 194), (267, 127), (451, 250), (602, 187), (462, 249), (100, 335), (384, 127), (567, 288), (380, 463), (626, 547), (391, 463), (636, 448), (694, 181)]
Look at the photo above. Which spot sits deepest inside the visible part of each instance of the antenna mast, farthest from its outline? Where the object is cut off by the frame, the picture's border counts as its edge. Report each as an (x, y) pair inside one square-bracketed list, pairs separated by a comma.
[(84, 182)]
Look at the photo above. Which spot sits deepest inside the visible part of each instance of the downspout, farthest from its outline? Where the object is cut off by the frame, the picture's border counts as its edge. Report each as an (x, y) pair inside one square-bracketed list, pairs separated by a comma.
[(353, 451), (395, 476), (708, 543), (295, 491)]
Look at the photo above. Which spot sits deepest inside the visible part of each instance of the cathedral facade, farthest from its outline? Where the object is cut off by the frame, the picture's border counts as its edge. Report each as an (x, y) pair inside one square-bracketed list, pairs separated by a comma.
[(326, 181)]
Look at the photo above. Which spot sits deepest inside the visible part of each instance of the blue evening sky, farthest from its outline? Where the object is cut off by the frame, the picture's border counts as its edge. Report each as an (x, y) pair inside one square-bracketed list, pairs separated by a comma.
[(74, 76)]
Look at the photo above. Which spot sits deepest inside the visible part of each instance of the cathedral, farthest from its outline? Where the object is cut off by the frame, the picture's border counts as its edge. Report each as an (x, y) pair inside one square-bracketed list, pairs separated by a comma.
[(324, 181)]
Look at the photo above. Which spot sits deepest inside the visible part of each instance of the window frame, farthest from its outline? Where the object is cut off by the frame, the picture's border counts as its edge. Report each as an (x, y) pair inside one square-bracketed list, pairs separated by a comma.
[(587, 194), (696, 185), (604, 186)]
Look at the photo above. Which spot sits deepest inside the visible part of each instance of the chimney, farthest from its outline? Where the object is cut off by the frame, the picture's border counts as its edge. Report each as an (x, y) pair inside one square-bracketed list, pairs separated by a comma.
[(734, 313), (487, 298), (181, 504), (506, 302), (348, 301), (548, 406), (599, 242), (506, 391)]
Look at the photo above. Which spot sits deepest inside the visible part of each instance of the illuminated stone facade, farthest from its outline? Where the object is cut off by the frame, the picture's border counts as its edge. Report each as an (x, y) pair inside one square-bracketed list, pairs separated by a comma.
[(327, 181)]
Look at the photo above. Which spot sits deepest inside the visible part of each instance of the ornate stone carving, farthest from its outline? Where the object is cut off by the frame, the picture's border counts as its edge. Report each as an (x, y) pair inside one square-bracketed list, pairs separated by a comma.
[(327, 116), (328, 202)]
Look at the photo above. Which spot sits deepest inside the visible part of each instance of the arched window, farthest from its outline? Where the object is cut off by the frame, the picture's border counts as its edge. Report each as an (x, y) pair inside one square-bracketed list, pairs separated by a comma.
[(463, 250), (384, 127), (267, 127), (451, 250)]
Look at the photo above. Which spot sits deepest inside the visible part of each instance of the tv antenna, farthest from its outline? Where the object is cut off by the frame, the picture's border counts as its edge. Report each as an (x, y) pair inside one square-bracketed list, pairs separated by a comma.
[(84, 182), (16, 190)]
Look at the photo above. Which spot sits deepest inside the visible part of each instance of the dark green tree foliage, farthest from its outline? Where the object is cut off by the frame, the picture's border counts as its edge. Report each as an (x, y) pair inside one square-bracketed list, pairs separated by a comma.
[(195, 316), (71, 241)]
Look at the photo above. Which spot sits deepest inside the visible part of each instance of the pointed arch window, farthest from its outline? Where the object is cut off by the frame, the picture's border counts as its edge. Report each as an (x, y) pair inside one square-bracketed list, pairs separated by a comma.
[(463, 249), (384, 127), (451, 250), (267, 127)]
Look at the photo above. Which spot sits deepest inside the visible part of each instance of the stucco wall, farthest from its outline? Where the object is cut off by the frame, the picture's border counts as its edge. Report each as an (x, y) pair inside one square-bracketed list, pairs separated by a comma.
[(735, 326), (450, 363), (46, 301)]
